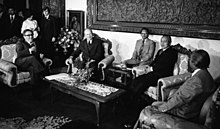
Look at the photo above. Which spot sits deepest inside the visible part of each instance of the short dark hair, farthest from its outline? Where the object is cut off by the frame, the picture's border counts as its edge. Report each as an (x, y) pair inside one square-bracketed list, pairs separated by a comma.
[(168, 38), (200, 58), (144, 28), (46, 8)]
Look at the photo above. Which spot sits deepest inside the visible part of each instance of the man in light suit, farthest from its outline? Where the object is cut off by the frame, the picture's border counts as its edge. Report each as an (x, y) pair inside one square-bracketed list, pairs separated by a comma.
[(143, 52), (187, 101), (92, 51)]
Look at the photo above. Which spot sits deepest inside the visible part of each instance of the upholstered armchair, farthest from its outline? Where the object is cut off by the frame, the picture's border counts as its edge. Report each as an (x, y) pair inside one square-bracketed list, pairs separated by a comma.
[(151, 119), (180, 71), (103, 64), (9, 73)]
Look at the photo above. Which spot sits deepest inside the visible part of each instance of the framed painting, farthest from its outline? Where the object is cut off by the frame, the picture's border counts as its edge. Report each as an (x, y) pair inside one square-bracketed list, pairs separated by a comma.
[(199, 19), (75, 20)]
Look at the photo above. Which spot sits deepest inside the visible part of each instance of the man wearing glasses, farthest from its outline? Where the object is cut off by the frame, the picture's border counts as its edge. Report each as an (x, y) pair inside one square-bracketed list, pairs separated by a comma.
[(29, 59)]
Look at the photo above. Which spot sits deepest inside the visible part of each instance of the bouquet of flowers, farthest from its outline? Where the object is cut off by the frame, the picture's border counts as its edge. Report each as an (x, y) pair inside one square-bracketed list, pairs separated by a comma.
[(68, 38)]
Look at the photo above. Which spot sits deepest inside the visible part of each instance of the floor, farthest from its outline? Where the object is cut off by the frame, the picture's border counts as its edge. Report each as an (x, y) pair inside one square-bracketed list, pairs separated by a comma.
[(82, 113)]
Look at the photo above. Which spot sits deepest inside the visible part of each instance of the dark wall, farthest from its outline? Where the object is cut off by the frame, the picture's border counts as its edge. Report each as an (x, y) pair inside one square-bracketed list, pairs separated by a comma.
[(17, 4)]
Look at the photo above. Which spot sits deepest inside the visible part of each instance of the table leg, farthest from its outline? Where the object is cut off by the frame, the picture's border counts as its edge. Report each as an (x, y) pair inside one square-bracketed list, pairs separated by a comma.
[(97, 107)]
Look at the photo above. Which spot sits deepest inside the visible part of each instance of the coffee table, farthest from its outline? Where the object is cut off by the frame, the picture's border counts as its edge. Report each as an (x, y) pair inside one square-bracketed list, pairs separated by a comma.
[(88, 96)]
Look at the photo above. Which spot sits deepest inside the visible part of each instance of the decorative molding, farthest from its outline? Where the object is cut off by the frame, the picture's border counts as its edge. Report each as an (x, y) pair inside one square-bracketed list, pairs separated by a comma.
[(200, 19)]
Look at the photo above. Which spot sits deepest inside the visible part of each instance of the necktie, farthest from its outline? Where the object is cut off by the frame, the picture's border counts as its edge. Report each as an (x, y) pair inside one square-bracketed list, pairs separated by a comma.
[(141, 50), (161, 51)]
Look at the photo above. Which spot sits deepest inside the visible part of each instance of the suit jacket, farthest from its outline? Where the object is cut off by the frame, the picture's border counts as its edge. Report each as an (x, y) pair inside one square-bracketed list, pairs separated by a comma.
[(48, 28), (22, 49), (94, 51), (164, 62), (188, 100), (12, 29), (147, 53)]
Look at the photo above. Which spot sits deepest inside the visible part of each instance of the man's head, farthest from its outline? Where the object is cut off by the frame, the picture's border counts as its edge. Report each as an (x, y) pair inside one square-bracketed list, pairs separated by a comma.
[(28, 35), (199, 59), (88, 34), (11, 11), (46, 11), (144, 33), (165, 41)]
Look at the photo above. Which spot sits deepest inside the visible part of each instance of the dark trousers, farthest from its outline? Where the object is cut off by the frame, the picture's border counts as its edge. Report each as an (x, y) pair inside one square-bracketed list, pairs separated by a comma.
[(142, 83), (33, 65)]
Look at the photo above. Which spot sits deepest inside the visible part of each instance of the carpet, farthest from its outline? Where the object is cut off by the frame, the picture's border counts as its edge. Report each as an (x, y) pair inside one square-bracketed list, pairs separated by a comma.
[(44, 122)]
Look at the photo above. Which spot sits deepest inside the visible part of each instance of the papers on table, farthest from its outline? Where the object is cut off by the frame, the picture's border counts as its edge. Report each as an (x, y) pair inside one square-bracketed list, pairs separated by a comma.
[(57, 76)]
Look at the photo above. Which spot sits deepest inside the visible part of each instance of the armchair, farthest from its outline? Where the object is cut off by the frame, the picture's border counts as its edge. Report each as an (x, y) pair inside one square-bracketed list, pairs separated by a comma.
[(9, 73), (152, 119), (180, 68), (103, 64)]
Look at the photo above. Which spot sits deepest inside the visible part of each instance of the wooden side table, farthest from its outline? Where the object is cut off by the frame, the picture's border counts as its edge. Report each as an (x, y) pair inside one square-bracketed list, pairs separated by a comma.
[(118, 76)]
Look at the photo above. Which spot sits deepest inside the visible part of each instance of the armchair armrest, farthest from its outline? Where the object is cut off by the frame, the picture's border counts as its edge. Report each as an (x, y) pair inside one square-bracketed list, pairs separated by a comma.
[(8, 73), (168, 83), (104, 63), (149, 117)]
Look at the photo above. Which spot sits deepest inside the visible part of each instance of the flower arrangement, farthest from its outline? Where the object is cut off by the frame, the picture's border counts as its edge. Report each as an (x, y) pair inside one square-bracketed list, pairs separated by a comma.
[(67, 39)]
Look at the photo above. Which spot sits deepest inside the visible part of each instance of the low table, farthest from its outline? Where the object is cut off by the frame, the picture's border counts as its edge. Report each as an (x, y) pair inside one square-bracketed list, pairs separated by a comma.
[(85, 94)]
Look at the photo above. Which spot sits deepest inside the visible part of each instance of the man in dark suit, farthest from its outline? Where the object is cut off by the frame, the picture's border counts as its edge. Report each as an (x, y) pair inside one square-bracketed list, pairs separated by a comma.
[(188, 100), (11, 24), (29, 59), (162, 66), (92, 50), (48, 32)]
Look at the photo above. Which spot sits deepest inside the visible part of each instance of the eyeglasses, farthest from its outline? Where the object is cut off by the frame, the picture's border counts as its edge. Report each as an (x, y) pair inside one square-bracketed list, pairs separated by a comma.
[(28, 35)]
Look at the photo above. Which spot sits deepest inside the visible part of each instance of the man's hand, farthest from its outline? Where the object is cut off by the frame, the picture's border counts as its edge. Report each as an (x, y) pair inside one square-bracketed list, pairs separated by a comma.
[(33, 49), (41, 55)]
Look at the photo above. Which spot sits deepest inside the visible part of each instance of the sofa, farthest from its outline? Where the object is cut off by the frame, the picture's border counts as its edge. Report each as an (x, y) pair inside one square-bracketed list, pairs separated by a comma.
[(209, 114), (9, 73)]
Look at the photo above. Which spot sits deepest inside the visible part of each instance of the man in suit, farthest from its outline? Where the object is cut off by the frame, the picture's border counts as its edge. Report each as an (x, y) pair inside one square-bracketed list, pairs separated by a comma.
[(11, 24), (92, 51), (162, 66), (188, 100), (30, 59), (143, 52), (48, 32)]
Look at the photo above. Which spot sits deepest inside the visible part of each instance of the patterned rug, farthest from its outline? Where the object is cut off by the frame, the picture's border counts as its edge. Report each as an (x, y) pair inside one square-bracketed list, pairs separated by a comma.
[(45, 122)]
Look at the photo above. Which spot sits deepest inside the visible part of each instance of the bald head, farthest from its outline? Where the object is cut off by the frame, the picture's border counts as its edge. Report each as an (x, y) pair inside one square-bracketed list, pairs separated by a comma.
[(88, 34)]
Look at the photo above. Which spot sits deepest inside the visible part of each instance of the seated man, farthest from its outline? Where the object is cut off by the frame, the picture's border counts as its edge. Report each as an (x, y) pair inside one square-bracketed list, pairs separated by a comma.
[(30, 59), (143, 52), (162, 66), (92, 52), (188, 100)]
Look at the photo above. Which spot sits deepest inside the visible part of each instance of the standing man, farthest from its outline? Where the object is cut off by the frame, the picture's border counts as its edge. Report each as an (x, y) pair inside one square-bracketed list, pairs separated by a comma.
[(11, 24), (92, 51), (143, 52), (48, 32)]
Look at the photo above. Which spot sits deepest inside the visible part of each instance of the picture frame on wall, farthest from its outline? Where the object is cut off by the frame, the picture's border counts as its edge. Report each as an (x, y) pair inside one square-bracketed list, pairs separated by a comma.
[(76, 20)]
